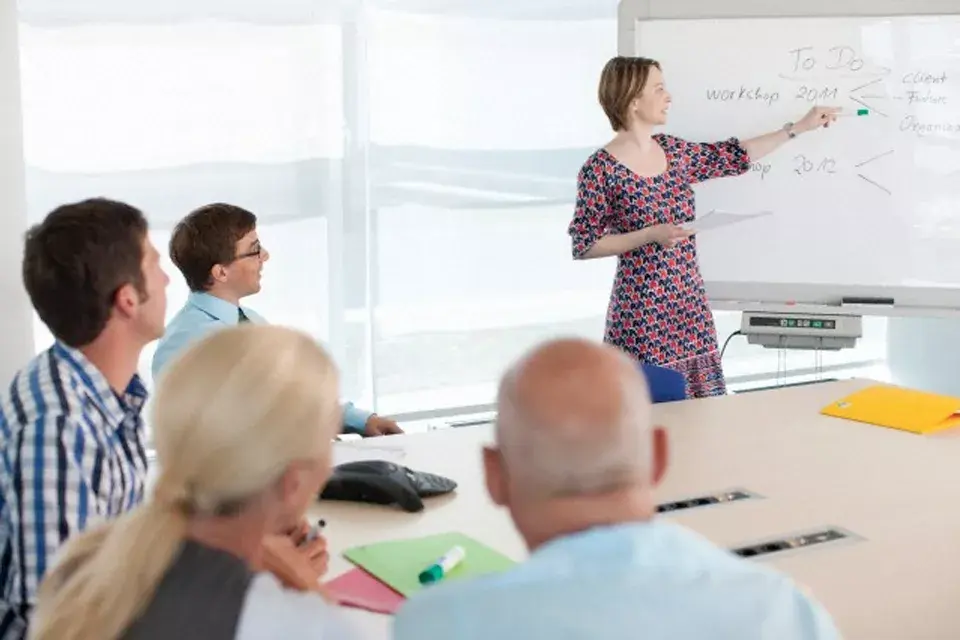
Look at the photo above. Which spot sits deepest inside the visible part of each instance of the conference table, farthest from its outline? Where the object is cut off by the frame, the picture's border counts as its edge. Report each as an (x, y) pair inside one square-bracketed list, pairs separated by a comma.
[(892, 573)]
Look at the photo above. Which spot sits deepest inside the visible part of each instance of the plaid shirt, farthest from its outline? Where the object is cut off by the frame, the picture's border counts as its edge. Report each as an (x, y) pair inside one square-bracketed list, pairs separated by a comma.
[(71, 454)]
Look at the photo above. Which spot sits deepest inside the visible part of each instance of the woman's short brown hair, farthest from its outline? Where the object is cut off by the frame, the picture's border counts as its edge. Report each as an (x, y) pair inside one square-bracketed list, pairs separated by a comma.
[(622, 80)]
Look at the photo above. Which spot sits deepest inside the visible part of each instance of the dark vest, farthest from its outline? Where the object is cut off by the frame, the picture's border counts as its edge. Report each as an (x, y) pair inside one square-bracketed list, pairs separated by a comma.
[(200, 598)]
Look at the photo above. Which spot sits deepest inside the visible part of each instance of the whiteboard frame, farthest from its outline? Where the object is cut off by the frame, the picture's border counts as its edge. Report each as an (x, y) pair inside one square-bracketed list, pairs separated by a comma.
[(798, 297)]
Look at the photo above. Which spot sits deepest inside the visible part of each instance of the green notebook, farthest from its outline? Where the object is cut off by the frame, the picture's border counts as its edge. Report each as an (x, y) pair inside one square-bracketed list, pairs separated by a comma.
[(398, 563)]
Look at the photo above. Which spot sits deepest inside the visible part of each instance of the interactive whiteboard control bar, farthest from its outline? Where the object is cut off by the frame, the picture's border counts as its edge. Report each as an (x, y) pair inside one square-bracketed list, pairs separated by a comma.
[(820, 332)]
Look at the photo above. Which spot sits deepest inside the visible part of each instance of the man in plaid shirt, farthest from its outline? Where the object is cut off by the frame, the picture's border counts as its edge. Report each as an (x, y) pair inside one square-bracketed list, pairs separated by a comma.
[(71, 434)]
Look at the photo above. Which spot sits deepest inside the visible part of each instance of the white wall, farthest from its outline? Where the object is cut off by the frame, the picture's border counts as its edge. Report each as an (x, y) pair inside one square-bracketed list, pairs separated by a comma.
[(16, 320)]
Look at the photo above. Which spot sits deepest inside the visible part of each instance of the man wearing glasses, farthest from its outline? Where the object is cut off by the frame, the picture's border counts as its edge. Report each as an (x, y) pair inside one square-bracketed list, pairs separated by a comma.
[(217, 250)]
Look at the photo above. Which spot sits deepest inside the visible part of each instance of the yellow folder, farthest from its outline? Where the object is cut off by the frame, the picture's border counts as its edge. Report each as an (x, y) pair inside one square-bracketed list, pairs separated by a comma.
[(898, 408)]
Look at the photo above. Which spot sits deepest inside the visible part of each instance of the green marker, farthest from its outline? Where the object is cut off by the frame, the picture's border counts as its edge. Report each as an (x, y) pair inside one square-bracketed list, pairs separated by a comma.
[(858, 112), (444, 565)]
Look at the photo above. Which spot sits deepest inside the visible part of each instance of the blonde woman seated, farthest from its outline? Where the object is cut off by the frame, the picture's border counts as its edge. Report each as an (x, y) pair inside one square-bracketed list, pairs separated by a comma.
[(243, 425)]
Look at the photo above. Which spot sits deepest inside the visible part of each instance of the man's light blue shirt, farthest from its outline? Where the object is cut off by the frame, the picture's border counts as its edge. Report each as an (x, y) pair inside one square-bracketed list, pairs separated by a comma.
[(203, 314), (641, 580)]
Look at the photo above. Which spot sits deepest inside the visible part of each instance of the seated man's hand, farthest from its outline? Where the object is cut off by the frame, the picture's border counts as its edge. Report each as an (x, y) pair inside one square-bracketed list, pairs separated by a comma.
[(377, 426)]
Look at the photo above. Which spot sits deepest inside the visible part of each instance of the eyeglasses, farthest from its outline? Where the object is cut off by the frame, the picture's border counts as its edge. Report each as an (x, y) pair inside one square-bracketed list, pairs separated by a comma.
[(255, 252)]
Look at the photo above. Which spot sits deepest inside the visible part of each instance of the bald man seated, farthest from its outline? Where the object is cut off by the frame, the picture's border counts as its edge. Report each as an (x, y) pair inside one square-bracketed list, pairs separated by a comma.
[(576, 463)]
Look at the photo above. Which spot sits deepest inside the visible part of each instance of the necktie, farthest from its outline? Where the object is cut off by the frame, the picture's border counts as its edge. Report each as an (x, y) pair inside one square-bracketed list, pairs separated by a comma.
[(242, 317)]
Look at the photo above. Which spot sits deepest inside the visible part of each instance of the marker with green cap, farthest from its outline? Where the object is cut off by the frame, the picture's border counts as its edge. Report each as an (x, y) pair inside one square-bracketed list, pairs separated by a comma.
[(444, 565), (858, 112)]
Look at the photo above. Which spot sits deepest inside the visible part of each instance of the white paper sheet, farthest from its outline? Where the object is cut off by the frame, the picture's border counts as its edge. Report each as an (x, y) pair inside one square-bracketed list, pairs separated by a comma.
[(344, 452), (717, 219)]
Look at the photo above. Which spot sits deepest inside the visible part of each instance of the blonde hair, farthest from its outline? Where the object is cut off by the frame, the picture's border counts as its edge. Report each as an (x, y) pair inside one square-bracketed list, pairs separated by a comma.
[(622, 80), (231, 414)]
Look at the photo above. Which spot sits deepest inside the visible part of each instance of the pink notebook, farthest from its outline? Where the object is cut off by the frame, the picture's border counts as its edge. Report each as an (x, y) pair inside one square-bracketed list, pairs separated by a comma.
[(357, 588)]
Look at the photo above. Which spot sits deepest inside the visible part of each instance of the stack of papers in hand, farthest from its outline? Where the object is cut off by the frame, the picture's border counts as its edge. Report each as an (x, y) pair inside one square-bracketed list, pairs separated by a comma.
[(716, 219)]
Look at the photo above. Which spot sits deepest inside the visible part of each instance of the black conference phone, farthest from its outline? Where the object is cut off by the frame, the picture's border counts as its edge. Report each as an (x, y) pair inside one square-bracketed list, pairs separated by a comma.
[(386, 483)]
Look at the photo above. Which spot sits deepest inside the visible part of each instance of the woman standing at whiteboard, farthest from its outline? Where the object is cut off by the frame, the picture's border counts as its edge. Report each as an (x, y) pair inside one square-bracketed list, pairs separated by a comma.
[(633, 195)]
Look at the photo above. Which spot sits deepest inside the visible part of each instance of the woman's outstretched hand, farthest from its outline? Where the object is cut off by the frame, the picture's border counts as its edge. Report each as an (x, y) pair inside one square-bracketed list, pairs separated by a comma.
[(817, 117)]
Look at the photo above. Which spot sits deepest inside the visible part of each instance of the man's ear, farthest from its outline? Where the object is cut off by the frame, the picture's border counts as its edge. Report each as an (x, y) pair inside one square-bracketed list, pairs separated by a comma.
[(494, 475), (661, 454), (126, 299), (218, 273)]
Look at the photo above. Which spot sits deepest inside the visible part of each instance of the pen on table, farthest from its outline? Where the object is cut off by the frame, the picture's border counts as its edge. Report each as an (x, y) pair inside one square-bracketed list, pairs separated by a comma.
[(443, 566)]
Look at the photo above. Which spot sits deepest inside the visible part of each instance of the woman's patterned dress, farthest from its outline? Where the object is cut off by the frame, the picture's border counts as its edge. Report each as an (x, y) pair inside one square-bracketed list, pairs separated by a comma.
[(658, 309)]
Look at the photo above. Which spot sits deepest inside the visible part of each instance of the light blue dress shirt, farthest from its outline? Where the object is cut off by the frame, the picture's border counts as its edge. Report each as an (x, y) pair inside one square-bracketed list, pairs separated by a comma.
[(641, 580), (203, 314)]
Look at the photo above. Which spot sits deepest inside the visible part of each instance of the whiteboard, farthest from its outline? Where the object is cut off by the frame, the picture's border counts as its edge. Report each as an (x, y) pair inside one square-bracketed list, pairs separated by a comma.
[(869, 207)]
